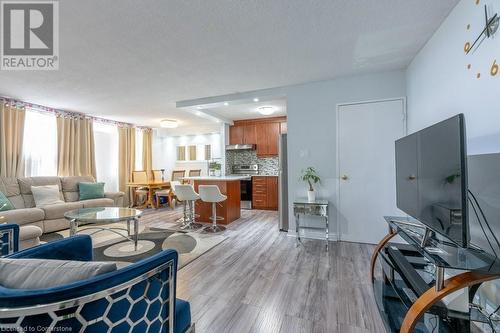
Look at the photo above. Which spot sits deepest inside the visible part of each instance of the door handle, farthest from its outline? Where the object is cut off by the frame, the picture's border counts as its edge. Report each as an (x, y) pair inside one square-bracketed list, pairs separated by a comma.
[(412, 177), (344, 177)]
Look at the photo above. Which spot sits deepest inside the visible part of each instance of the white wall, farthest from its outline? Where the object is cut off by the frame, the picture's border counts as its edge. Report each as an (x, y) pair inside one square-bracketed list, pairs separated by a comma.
[(311, 108), (439, 84), (311, 112), (165, 151)]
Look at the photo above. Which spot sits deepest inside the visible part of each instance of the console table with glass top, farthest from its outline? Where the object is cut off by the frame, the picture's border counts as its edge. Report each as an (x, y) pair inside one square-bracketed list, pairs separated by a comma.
[(310, 208), (412, 288)]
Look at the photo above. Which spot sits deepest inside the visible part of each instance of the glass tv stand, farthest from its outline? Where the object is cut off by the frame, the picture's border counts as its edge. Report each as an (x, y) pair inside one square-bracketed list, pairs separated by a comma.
[(428, 284)]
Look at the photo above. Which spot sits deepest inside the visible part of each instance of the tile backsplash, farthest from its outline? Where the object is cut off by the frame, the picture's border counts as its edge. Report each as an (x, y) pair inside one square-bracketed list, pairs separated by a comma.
[(267, 165)]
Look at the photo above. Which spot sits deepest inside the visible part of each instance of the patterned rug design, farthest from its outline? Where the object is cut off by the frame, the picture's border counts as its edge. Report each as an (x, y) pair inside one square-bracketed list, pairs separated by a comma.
[(109, 246)]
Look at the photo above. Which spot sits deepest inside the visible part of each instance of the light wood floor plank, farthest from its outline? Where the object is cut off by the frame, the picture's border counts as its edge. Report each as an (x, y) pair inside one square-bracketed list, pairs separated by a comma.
[(260, 281)]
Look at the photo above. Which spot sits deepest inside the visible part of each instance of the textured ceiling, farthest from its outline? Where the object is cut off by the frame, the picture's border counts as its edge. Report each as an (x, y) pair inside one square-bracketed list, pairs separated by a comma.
[(131, 60)]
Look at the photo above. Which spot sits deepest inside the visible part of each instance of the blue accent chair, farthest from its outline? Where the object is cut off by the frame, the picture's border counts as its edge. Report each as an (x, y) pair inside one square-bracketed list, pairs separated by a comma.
[(137, 298)]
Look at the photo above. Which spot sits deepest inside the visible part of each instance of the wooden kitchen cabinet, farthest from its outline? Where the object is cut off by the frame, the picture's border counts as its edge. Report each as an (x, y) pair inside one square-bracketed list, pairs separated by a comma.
[(268, 139), (243, 134), (236, 135), (250, 134), (263, 133), (265, 192)]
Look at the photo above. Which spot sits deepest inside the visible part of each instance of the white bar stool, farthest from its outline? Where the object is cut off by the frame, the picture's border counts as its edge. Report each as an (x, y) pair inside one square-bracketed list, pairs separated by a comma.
[(211, 193), (188, 196)]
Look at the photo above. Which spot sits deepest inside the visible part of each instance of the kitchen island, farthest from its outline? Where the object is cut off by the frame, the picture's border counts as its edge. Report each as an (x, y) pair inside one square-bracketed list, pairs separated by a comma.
[(230, 209)]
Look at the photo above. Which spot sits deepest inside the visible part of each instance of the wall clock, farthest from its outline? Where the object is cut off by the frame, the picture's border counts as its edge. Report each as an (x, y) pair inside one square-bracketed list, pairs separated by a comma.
[(482, 30)]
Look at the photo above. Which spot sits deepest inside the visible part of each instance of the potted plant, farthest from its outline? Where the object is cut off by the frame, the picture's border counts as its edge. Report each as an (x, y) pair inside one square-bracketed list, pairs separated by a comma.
[(310, 176), (215, 168)]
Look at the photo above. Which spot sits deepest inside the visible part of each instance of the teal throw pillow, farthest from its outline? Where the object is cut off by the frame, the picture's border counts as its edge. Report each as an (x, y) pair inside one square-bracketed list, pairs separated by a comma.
[(5, 204), (91, 190)]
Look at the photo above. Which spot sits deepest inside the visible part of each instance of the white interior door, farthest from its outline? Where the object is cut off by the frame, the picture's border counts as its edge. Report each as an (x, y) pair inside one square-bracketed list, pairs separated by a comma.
[(367, 174)]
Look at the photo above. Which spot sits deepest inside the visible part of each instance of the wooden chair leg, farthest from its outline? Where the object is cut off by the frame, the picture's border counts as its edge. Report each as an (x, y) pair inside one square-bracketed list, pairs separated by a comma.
[(170, 201)]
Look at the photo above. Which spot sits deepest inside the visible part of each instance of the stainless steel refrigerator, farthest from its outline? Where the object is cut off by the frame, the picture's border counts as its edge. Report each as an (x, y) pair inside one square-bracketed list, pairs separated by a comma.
[(283, 184)]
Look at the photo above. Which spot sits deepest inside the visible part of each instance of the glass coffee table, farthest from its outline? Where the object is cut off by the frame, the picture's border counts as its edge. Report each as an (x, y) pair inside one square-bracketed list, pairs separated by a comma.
[(105, 215)]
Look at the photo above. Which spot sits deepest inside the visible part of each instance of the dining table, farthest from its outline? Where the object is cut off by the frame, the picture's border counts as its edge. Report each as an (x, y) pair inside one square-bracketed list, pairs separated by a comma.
[(151, 185)]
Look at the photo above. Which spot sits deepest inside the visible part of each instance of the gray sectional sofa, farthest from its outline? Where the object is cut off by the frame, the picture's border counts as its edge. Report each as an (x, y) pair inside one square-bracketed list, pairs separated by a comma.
[(49, 218)]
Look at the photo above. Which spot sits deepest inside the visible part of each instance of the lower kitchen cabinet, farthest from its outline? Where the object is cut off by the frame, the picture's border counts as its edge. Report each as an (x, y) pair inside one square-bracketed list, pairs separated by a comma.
[(265, 192)]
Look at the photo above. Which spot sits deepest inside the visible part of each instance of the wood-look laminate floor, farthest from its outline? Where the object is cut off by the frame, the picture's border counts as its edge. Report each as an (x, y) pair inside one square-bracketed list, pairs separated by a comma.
[(259, 281)]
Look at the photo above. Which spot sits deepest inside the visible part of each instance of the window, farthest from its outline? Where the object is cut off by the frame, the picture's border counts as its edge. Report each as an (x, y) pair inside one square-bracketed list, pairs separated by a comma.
[(138, 149), (40, 144), (106, 155), (192, 153), (181, 153), (208, 152)]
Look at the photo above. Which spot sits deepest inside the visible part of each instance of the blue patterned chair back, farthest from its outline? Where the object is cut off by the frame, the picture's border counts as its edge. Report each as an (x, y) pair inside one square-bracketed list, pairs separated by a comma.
[(137, 298), (9, 239)]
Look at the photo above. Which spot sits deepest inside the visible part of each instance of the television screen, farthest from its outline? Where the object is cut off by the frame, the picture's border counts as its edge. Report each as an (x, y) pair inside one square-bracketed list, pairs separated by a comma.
[(431, 178), (484, 186)]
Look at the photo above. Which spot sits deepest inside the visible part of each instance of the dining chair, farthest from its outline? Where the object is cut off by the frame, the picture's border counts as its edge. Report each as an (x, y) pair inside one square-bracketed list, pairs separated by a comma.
[(168, 193), (177, 175), (140, 192), (194, 173), (156, 175)]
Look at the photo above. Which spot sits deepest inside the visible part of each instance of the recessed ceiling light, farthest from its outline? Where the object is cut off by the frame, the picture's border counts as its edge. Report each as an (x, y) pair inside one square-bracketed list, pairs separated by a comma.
[(168, 123), (226, 103), (198, 107), (255, 99), (266, 110), (198, 113)]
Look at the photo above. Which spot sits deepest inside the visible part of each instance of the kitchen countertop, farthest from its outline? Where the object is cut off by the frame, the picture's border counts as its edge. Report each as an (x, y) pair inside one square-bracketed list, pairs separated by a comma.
[(218, 178)]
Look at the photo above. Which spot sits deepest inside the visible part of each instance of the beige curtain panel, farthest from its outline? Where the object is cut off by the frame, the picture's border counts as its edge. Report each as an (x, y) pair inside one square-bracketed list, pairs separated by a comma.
[(147, 150), (126, 161), (11, 140), (75, 147)]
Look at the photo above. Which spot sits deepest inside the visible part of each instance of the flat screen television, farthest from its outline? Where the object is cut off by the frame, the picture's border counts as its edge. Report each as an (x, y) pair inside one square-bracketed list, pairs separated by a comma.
[(431, 178)]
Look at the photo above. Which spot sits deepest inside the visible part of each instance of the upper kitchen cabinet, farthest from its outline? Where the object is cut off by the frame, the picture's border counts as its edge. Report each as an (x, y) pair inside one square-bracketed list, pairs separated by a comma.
[(268, 138), (242, 134), (250, 134), (264, 133), (236, 135)]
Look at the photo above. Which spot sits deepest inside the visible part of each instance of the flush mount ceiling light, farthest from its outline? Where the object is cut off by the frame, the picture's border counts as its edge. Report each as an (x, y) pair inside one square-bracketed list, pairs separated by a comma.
[(226, 103), (255, 99), (167, 123), (266, 110)]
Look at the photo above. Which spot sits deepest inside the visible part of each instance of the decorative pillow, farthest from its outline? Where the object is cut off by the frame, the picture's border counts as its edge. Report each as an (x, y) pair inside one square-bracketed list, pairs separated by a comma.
[(46, 273), (46, 195), (5, 204), (91, 190)]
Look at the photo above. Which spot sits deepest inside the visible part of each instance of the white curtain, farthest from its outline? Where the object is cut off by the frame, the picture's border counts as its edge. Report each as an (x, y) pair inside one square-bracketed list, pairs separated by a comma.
[(138, 149), (40, 144), (106, 155)]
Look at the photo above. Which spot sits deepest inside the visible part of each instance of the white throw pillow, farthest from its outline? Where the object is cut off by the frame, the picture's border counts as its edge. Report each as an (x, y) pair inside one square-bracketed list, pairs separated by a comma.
[(46, 195), (46, 273)]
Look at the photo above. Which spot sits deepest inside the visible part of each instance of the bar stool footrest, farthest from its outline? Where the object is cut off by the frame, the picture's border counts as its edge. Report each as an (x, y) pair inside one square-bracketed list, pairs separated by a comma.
[(214, 229)]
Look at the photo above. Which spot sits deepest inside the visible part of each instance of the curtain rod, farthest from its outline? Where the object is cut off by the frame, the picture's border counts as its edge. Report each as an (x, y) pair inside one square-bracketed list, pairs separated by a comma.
[(62, 113)]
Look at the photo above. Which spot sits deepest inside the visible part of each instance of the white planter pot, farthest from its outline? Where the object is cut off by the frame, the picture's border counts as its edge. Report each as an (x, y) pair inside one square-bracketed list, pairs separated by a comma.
[(311, 196)]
